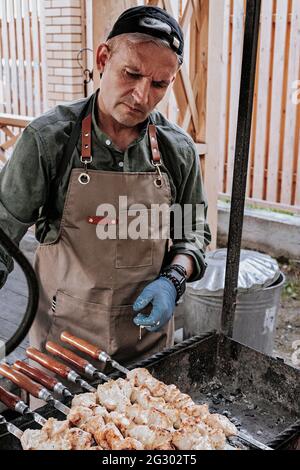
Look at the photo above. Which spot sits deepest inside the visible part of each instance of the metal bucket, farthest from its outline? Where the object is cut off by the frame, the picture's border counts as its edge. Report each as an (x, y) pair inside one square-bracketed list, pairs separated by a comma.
[(255, 317)]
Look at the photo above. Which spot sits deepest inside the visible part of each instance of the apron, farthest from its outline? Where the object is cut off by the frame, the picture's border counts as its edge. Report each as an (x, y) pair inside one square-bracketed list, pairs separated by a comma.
[(88, 284)]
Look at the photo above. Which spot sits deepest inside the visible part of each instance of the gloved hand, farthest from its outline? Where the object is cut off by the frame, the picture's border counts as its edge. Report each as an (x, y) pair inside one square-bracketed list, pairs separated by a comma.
[(162, 294)]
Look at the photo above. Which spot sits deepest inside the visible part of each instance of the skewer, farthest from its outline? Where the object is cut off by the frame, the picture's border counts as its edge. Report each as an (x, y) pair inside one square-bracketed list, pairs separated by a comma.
[(91, 350), (77, 361), (11, 428), (252, 441), (51, 383), (32, 387), (60, 369), (13, 402)]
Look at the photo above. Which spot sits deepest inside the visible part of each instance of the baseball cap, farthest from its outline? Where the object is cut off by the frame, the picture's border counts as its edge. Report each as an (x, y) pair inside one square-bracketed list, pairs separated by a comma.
[(153, 21)]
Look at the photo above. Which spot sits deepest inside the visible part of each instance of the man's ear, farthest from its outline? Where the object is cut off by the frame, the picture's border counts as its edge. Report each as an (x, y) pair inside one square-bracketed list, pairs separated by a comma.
[(102, 56)]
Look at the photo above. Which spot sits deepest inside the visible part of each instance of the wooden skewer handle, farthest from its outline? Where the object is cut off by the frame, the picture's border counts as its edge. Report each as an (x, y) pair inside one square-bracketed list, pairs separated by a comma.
[(81, 344), (48, 362), (8, 398), (21, 380), (66, 355), (36, 374)]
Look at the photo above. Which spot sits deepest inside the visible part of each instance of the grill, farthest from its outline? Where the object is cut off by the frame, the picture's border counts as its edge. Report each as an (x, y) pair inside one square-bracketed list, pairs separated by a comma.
[(260, 394)]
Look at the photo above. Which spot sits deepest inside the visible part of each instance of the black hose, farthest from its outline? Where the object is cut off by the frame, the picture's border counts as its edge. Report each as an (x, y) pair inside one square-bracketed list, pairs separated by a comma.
[(33, 292)]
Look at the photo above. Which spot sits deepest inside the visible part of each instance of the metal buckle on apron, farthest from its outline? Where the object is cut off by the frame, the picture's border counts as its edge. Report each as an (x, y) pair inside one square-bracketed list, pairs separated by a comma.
[(84, 178), (159, 178)]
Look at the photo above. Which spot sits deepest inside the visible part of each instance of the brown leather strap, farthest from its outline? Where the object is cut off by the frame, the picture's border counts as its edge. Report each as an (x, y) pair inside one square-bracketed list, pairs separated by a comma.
[(154, 144), (86, 139), (86, 145)]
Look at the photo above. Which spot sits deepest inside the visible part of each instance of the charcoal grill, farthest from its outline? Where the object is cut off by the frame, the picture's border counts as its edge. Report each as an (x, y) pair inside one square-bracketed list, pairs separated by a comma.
[(257, 392)]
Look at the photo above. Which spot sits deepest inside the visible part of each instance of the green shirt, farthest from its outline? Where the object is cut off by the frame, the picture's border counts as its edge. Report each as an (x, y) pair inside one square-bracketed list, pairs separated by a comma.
[(26, 178)]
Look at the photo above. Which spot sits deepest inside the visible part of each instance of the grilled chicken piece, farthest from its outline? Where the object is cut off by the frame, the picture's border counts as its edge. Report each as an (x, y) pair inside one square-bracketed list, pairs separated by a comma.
[(89, 400), (54, 428), (34, 439), (93, 424), (56, 435), (79, 439), (217, 421), (79, 415), (142, 434), (140, 376), (125, 386), (217, 438), (111, 397), (108, 436), (151, 417), (159, 419), (121, 421), (184, 439), (136, 414), (162, 440), (172, 393), (128, 444), (100, 411), (202, 443), (142, 396), (200, 411), (183, 401), (191, 424)]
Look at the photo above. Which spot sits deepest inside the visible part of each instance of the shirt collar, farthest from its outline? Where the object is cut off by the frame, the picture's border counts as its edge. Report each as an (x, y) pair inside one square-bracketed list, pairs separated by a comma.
[(103, 138)]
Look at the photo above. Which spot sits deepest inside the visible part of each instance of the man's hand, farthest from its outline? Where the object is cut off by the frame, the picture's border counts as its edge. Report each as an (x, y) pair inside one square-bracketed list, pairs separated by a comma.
[(162, 295)]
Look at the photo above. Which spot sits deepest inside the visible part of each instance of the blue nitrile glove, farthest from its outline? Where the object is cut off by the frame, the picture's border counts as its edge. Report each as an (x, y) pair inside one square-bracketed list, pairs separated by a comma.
[(162, 294)]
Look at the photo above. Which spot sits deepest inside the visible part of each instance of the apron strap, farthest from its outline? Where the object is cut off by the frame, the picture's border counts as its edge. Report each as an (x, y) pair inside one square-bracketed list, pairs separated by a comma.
[(61, 169), (154, 145), (86, 111)]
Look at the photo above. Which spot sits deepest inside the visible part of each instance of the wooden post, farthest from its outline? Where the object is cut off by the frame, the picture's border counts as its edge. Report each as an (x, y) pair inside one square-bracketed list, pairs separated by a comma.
[(216, 94), (105, 13)]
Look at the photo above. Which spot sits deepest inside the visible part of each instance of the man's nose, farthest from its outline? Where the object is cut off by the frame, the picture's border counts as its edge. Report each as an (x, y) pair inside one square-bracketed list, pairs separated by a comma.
[(141, 92)]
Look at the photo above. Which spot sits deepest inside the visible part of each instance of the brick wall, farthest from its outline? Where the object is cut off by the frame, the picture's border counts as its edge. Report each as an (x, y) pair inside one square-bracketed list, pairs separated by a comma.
[(65, 36)]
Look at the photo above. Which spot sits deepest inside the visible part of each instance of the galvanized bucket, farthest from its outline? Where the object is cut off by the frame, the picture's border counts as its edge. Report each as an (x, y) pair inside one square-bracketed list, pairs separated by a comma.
[(257, 305)]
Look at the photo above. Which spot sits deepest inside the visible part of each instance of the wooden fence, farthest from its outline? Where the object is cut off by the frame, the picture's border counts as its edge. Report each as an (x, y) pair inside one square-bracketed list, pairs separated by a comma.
[(21, 54), (274, 166), (205, 96)]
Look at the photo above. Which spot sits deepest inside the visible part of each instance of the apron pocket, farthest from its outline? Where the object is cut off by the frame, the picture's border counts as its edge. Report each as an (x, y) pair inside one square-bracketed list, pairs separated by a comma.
[(130, 250), (87, 320)]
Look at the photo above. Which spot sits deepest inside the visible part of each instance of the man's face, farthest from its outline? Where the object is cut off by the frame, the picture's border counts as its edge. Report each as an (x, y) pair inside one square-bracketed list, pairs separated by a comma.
[(135, 79)]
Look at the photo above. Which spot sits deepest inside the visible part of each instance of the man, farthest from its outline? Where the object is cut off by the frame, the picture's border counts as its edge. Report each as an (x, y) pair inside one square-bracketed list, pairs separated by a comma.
[(80, 157)]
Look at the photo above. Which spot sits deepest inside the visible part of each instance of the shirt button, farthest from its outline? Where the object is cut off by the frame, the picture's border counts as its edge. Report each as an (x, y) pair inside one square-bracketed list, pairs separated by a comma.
[(121, 164), (108, 142)]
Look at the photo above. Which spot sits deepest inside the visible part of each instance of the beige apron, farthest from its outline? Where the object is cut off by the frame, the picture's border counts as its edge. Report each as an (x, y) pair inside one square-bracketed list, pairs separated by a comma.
[(88, 285)]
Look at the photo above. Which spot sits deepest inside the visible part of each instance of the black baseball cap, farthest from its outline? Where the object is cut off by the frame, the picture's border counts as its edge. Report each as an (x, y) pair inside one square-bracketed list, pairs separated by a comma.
[(153, 21)]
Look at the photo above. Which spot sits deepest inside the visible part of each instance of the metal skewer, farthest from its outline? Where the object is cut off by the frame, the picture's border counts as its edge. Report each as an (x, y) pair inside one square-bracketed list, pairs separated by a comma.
[(13, 402), (252, 441), (60, 369), (77, 361), (51, 383), (11, 428), (32, 387), (91, 350)]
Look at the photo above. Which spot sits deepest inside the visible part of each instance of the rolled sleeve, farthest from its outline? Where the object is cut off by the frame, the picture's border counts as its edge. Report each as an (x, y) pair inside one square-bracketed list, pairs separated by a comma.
[(23, 189), (195, 231)]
